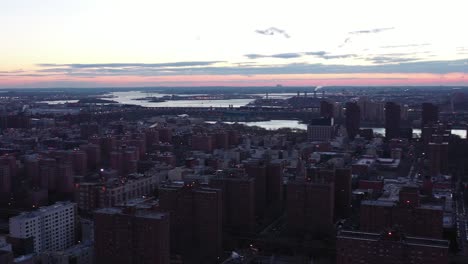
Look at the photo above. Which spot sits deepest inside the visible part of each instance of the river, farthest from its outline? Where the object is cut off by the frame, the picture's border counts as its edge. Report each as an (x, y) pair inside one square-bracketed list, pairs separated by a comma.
[(295, 124)]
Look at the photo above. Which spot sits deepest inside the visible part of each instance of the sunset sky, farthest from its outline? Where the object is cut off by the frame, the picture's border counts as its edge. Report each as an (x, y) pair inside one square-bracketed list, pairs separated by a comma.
[(117, 43)]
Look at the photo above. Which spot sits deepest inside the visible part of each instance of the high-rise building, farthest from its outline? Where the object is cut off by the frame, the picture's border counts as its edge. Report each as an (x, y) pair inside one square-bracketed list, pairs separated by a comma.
[(389, 247), (238, 194), (392, 120), (196, 232), (326, 109), (65, 178), (309, 206), (130, 236), (257, 170), (371, 111), (438, 158), (152, 138), (165, 134), (274, 185), (80, 160), (321, 129), (408, 215), (93, 154), (5, 180), (353, 119), (221, 140), (89, 129), (91, 196), (202, 142), (52, 227), (430, 114), (82, 253), (6, 257), (343, 192)]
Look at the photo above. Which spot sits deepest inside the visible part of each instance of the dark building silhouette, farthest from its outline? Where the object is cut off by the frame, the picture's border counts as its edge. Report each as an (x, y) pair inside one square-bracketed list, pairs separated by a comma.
[(257, 169), (438, 158), (89, 129), (430, 114), (408, 215), (274, 185), (343, 192), (6, 257), (326, 109), (310, 204), (238, 196), (196, 231), (392, 120), (131, 237), (353, 119), (389, 247), (165, 134), (321, 129)]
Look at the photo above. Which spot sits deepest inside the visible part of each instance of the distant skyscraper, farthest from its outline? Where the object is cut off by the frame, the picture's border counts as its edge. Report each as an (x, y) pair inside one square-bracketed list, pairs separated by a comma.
[(392, 120), (326, 109), (131, 237), (353, 119), (430, 114), (321, 129)]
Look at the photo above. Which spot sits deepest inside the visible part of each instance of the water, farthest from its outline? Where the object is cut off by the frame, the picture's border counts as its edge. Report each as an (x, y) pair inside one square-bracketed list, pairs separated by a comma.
[(272, 124), (59, 102), (129, 98), (295, 124), (417, 132)]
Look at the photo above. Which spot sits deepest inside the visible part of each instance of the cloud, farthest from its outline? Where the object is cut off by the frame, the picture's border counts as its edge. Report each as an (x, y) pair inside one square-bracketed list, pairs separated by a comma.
[(291, 55), (370, 31), (316, 53), (150, 65), (462, 50), (11, 72), (346, 41), (388, 59), (361, 32), (339, 56), (405, 46), (271, 31), (382, 64), (256, 56), (287, 55)]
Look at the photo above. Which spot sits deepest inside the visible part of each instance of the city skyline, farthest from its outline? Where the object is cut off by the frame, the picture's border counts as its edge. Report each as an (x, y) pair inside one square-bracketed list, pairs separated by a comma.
[(209, 43)]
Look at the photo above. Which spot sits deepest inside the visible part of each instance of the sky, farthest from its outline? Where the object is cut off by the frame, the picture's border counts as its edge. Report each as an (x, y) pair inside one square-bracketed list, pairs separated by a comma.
[(117, 43)]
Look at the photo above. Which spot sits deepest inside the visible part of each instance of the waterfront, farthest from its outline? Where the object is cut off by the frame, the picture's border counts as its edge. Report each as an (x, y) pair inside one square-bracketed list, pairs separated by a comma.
[(296, 124), (131, 96)]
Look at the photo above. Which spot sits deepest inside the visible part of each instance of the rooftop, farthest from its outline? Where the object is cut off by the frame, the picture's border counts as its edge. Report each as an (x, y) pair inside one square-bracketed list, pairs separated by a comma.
[(44, 209), (138, 213), (406, 239), (378, 203)]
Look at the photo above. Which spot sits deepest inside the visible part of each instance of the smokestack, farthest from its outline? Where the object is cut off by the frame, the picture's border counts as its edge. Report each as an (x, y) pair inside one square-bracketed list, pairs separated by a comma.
[(315, 94), (305, 94), (298, 94)]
